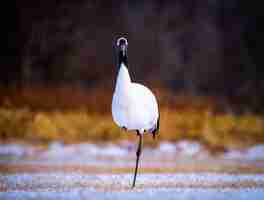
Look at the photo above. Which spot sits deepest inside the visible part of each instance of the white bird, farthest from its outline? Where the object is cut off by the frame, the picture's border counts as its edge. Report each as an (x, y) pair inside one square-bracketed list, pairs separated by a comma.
[(134, 106)]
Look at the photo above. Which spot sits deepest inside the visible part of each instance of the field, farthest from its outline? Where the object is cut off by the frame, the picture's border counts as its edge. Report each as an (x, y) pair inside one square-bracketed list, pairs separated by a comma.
[(183, 170), (41, 115), (63, 144)]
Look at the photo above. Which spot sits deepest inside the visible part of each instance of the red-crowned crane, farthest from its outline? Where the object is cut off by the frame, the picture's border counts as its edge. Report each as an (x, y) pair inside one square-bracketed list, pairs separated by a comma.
[(134, 106)]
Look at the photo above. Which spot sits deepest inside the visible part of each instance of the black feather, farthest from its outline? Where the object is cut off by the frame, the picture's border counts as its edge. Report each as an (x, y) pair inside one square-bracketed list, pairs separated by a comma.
[(156, 130)]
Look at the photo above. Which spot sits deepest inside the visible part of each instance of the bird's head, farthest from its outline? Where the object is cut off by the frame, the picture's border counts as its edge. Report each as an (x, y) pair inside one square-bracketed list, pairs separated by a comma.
[(122, 44)]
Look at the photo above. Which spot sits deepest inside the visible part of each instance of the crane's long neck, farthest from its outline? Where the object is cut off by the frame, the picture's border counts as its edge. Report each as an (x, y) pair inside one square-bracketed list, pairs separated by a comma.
[(122, 58), (123, 79)]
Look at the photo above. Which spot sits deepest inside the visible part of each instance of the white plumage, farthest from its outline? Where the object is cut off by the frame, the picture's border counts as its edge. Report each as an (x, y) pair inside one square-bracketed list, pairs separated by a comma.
[(134, 106)]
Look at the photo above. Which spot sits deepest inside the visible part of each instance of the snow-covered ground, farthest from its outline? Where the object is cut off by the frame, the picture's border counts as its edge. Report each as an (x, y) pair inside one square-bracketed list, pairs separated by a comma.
[(181, 156), (57, 150), (161, 193), (183, 170), (66, 181), (76, 186), (184, 156)]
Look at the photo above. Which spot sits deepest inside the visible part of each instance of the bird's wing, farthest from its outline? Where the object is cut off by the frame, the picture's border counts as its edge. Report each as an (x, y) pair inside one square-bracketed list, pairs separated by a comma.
[(135, 109), (145, 105)]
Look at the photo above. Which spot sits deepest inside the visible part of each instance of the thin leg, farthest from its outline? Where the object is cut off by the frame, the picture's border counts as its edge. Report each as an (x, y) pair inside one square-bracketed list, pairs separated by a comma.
[(139, 150)]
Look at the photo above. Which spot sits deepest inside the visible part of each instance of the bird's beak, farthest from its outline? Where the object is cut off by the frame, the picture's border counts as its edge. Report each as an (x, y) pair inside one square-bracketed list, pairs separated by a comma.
[(123, 49)]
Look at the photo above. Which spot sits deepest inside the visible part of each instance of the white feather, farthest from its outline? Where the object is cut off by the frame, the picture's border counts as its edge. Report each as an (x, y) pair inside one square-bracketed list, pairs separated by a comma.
[(134, 106)]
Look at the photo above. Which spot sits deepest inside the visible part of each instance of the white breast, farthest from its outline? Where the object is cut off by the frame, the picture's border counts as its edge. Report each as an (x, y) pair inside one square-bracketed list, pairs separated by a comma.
[(134, 106)]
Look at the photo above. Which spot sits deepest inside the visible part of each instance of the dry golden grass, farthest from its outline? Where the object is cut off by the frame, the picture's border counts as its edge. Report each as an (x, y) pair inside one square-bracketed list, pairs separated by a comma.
[(217, 131), (74, 115)]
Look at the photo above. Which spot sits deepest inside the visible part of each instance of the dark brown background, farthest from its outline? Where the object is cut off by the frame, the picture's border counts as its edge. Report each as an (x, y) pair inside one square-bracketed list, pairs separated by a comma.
[(207, 47)]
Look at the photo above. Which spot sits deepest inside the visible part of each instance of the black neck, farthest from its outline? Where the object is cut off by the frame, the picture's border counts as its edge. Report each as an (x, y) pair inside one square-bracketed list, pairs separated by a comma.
[(122, 58)]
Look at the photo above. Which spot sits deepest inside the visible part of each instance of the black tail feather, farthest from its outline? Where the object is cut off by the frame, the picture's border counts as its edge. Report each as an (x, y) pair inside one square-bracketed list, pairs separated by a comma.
[(156, 130)]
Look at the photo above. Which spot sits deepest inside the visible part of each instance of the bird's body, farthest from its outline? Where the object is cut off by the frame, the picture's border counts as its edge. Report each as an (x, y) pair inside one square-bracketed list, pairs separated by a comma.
[(134, 106)]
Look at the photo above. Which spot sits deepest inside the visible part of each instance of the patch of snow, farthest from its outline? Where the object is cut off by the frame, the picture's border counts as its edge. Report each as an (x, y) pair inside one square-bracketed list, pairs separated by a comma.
[(252, 153), (55, 146), (76, 186), (151, 193), (69, 180), (114, 150), (82, 151), (17, 150), (189, 148), (255, 153), (234, 154), (57, 150), (167, 147), (110, 154)]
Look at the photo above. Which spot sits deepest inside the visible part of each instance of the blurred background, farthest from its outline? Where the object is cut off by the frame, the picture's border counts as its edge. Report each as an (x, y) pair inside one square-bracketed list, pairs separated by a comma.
[(202, 59)]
